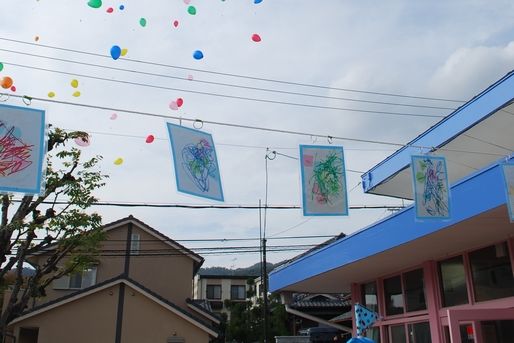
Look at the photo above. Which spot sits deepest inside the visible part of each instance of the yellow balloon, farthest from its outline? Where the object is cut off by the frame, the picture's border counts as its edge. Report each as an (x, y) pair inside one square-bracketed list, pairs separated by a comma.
[(51, 94), (76, 94), (74, 83), (124, 52), (118, 161)]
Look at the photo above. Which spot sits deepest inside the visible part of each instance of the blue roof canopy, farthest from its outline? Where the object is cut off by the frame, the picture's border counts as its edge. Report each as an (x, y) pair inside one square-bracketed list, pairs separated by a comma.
[(472, 137)]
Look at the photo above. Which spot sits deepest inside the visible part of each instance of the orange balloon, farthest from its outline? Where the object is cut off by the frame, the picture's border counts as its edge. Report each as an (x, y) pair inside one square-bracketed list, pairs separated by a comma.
[(6, 82)]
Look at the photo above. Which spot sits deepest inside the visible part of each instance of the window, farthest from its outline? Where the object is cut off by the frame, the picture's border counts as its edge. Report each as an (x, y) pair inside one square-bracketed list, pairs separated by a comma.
[(78, 280), (453, 282), (398, 334), (135, 240), (369, 296), (393, 295), (492, 272), (213, 291), (373, 333), (237, 292), (414, 291), (419, 333)]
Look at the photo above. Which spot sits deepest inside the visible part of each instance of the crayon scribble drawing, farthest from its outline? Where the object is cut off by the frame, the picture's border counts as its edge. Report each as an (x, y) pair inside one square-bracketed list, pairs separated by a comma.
[(14, 153), (508, 176), (199, 162), (194, 159), (431, 187), (22, 149), (323, 180)]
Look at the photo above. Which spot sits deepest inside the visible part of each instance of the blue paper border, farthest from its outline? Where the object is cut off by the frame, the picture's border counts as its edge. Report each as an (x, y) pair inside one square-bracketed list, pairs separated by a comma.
[(413, 157), (345, 211), (41, 154), (169, 125), (507, 198)]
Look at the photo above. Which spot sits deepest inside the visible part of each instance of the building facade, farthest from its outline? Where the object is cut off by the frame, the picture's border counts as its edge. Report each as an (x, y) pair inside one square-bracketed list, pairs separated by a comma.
[(133, 294), (433, 280)]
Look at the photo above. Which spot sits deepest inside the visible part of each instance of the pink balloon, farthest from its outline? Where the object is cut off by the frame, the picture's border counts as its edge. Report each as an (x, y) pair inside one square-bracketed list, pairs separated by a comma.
[(180, 102), (173, 105), (187, 2), (114, 116), (13, 88), (150, 139), (82, 141), (256, 37), (190, 77), (175, 23)]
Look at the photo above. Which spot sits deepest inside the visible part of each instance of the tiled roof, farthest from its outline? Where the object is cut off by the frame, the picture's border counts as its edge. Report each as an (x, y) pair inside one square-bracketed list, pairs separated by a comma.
[(320, 300)]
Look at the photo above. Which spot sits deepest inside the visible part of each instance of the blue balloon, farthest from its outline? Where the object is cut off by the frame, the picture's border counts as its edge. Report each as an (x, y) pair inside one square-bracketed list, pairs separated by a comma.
[(122, 7), (257, 1), (115, 52), (198, 55)]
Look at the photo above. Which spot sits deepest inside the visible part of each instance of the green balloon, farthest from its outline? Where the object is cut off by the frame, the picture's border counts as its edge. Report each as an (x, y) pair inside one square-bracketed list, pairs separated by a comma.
[(95, 3), (142, 22), (1, 66), (191, 10)]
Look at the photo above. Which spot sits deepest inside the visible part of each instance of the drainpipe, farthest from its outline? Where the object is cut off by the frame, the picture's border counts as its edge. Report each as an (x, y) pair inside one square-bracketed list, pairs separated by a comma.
[(319, 320)]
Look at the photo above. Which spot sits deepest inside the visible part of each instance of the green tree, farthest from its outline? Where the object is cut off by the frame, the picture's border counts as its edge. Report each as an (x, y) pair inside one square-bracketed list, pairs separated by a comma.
[(246, 323), (36, 223)]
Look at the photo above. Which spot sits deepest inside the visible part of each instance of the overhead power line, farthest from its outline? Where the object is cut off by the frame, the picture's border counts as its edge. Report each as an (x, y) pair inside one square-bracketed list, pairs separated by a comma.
[(28, 100), (221, 207), (317, 96), (231, 74), (228, 96)]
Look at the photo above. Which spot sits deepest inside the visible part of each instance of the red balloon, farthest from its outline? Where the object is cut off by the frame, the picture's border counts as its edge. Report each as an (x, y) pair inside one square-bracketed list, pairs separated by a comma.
[(175, 23), (150, 139), (13, 88), (256, 37), (110, 10), (180, 102)]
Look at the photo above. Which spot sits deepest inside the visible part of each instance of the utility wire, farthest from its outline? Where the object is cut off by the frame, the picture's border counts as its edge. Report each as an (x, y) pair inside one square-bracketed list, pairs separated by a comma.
[(28, 100), (318, 96), (230, 74), (228, 96), (220, 207)]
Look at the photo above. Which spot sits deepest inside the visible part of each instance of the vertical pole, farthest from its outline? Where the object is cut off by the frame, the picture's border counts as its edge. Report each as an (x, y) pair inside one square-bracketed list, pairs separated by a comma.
[(265, 290)]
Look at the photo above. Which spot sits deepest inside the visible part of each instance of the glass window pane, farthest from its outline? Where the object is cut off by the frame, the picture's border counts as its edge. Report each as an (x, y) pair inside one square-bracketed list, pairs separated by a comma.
[(135, 241), (419, 333), (453, 282), (369, 296), (237, 292), (213, 291), (374, 334), (492, 272), (398, 334), (76, 280), (89, 277), (414, 286), (393, 295), (499, 331)]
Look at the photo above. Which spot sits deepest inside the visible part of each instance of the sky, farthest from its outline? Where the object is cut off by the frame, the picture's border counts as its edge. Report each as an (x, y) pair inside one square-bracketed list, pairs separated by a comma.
[(434, 49)]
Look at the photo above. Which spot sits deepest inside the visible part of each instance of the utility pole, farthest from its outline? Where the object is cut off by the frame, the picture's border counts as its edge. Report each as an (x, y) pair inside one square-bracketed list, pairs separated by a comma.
[(265, 289)]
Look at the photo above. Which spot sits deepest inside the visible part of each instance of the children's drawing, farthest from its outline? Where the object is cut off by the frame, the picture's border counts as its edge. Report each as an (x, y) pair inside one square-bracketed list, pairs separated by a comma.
[(323, 180), (195, 162), (22, 149), (508, 176), (431, 191)]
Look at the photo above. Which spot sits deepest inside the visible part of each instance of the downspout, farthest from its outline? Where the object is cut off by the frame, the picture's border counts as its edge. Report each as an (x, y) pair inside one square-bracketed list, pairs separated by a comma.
[(318, 320)]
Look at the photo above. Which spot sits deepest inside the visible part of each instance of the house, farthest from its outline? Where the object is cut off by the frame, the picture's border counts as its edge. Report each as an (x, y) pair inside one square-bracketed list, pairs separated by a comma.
[(432, 280), (138, 292), (218, 289)]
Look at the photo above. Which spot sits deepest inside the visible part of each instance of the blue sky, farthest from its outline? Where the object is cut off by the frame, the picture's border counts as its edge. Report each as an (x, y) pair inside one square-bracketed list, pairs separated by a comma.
[(448, 49)]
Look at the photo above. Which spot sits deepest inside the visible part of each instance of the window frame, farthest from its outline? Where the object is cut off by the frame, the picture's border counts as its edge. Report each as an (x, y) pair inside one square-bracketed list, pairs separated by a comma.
[(135, 243), (64, 282), (214, 286), (238, 287)]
